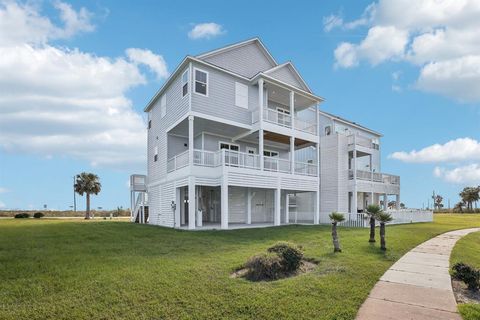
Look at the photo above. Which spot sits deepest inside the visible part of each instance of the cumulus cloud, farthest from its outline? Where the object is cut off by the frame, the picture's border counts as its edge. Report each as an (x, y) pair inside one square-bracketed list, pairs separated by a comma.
[(3, 190), (205, 31), (155, 62), (440, 37), (455, 150), (58, 101), (468, 174)]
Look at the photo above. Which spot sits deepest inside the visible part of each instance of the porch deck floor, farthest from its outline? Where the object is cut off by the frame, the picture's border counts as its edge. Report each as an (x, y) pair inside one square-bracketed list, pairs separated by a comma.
[(231, 226)]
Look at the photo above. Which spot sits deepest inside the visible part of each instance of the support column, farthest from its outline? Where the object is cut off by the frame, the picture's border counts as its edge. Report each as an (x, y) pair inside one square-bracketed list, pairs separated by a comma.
[(287, 209), (278, 195), (385, 202), (178, 203), (191, 203), (260, 101), (292, 154), (397, 202), (354, 169), (260, 147), (249, 206), (316, 217), (190, 141), (198, 207), (292, 108), (371, 198), (224, 203)]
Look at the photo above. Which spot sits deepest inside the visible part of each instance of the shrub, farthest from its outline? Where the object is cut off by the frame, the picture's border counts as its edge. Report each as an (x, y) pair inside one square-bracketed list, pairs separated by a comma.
[(38, 215), (22, 215), (469, 275), (290, 253), (265, 266)]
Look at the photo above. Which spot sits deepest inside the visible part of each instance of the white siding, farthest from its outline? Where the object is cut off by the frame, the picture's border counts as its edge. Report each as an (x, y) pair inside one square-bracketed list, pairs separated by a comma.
[(285, 74)]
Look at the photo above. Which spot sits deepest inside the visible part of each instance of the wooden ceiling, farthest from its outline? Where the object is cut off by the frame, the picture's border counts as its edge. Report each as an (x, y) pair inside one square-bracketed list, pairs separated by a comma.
[(276, 137)]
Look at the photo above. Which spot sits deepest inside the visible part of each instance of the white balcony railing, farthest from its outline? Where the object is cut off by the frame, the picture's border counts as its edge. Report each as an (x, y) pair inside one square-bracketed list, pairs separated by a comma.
[(285, 120), (177, 162), (375, 177), (277, 117), (238, 159), (305, 126)]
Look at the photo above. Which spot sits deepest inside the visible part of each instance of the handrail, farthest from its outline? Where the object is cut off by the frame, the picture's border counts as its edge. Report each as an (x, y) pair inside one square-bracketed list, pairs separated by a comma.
[(178, 161), (277, 117), (375, 177)]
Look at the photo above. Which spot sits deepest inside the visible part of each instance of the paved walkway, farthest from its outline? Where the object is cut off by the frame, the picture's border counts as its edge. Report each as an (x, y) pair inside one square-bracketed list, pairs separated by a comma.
[(417, 286)]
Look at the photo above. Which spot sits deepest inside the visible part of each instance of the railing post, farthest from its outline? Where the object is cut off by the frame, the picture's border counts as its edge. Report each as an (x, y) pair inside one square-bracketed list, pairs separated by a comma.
[(292, 108)]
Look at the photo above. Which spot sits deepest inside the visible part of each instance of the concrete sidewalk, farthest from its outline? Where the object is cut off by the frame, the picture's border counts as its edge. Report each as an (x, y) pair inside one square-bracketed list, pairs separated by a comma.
[(418, 285)]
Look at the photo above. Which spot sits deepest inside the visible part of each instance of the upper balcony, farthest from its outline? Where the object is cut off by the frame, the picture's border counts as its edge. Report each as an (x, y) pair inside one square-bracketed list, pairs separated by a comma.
[(374, 177), (235, 159), (362, 142), (286, 108)]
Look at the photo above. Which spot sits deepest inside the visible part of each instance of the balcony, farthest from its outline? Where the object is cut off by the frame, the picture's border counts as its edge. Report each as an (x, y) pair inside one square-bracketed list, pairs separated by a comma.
[(237, 159), (284, 119), (375, 177), (362, 141)]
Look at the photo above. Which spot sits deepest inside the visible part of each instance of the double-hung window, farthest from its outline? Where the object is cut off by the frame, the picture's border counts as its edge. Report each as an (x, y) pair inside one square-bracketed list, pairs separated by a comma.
[(201, 82), (185, 83)]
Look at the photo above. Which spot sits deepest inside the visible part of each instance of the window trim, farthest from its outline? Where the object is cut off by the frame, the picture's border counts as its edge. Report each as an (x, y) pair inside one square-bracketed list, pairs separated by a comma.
[(254, 149), (267, 150), (195, 81), (229, 144), (186, 83)]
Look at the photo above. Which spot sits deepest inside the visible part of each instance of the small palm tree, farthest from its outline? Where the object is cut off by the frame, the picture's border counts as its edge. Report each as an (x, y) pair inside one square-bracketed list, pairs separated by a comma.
[(372, 211), (383, 218), (336, 217), (87, 183)]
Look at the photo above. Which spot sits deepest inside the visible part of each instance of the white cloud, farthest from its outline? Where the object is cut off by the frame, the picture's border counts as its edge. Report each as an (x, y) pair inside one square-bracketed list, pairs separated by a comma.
[(206, 31), (64, 102), (381, 43), (461, 175), (23, 23), (155, 62), (455, 150), (440, 37), (3, 190), (331, 22)]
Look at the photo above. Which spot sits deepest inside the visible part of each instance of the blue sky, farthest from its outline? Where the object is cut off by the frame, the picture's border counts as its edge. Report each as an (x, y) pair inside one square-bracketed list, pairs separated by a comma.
[(75, 77)]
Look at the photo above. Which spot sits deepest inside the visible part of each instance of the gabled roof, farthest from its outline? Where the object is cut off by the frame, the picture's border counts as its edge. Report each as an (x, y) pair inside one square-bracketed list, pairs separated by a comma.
[(289, 74), (237, 45), (337, 118)]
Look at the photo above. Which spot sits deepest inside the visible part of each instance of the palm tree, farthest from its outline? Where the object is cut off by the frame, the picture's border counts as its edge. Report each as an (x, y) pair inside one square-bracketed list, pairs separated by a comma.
[(336, 217), (383, 217), (87, 183), (372, 211)]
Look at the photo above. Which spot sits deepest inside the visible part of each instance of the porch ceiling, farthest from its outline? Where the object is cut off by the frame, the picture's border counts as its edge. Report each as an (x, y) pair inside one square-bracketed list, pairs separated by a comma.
[(203, 125), (282, 96), (280, 138)]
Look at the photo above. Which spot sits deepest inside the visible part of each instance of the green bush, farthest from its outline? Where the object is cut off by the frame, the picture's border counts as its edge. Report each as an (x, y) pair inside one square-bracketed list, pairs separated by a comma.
[(265, 266), (290, 253), (22, 215), (468, 274), (38, 215)]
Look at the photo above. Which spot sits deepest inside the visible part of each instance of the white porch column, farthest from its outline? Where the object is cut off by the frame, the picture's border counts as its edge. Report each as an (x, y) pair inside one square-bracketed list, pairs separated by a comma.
[(260, 147), (316, 216), (260, 101), (178, 204), (354, 170), (249, 206), (191, 203), (292, 108), (278, 195), (198, 212), (224, 203), (397, 202), (371, 198), (292, 154), (190, 141), (385, 202), (287, 209)]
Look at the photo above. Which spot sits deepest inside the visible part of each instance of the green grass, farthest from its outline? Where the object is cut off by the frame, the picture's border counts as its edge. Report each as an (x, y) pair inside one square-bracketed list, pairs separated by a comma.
[(467, 250), (60, 269)]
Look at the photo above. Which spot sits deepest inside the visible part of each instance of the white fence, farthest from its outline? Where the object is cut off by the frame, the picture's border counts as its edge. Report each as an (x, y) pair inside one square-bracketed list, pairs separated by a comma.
[(361, 220)]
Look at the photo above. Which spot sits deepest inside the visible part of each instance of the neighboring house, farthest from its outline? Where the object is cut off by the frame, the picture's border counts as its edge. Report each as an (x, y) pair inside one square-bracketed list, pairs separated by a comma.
[(236, 139)]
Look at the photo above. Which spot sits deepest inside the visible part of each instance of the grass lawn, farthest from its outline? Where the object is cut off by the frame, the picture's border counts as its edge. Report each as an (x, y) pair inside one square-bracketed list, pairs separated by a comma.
[(467, 250), (60, 269)]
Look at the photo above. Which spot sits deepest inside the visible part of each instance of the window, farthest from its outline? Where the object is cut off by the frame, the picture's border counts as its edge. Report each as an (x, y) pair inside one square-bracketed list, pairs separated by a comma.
[(149, 124), (163, 106), (268, 153), (328, 130), (229, 146), (241, 95), (283, 116), (155, 156), (201, 82), (185, 83)]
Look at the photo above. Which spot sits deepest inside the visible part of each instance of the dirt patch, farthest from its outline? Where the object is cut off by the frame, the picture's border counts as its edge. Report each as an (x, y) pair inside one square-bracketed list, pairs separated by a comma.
[(306, 266), (462, 294)]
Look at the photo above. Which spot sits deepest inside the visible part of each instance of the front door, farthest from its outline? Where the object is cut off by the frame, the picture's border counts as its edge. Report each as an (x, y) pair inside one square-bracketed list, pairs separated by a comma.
[(251, 157)]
